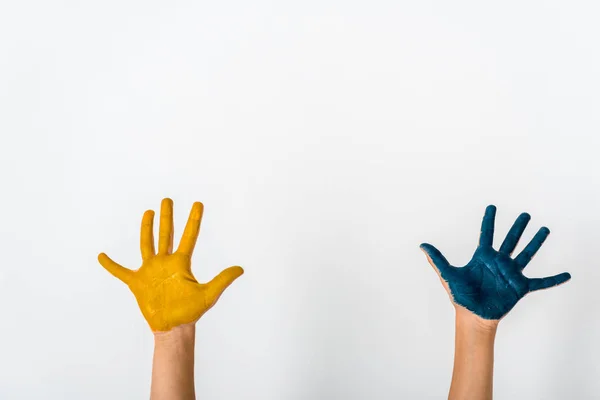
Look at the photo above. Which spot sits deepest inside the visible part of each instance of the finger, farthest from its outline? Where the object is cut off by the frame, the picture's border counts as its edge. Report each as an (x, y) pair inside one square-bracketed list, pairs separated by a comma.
[(165, 231), (147, 235), (486, 238), (192, 229), (436, 259), (545, 283), (220, 282), (515, 233), (529, 251), (117, 270)]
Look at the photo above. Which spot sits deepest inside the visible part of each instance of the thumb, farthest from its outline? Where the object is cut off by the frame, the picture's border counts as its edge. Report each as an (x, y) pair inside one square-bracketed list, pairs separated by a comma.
[(436, 259), (220, 282), (117, 270)]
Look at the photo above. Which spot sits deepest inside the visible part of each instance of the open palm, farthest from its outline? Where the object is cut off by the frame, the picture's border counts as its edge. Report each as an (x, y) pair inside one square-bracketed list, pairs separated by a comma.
[(164, 286), (492, 282)]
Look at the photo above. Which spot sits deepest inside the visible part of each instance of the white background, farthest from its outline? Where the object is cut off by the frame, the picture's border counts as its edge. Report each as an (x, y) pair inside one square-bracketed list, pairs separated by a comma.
[(327, 140)]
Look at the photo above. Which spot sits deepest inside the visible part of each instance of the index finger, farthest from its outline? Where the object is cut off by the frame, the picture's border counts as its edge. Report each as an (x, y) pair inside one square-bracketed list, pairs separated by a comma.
[(192, 229), (487, 227)]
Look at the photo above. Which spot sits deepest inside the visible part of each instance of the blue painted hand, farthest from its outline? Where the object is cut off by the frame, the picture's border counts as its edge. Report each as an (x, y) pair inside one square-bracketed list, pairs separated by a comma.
[(492, 282)]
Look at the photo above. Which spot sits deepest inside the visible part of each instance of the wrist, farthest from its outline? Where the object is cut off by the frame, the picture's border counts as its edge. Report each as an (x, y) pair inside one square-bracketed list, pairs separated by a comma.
[(474, 339), (466, 320), (173, 363), (180, 335)]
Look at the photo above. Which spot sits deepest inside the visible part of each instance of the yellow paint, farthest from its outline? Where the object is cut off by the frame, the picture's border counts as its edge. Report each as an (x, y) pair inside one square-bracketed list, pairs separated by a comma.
[(164, 286)]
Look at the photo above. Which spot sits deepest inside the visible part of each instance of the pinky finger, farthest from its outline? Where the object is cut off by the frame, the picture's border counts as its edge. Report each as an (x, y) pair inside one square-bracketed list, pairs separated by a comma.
[(115, 269), (545, 283)]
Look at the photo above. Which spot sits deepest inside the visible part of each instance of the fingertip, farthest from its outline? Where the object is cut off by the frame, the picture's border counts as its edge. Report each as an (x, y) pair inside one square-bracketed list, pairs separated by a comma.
[(166, 204), (429, 252), (230, 274), (544, 230), (524, 217), (426, 248), (490, 209), (561, 279), (225, 278), (148, 218), (197, 210)]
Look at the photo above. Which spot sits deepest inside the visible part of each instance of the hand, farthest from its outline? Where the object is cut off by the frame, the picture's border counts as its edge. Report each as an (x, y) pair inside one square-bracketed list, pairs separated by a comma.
[(164, 286), (492, 282)]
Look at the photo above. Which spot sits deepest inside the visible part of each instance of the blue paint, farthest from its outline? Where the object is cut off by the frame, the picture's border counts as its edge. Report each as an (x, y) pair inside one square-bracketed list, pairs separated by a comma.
[(492, 282)]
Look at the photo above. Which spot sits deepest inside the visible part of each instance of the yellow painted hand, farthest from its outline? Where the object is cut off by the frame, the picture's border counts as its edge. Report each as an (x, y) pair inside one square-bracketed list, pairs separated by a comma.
[(164, 286)]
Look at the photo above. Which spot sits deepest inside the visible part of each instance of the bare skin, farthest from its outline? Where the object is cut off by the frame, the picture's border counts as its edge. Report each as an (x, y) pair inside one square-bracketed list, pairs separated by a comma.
[(473, 373), (173, 364)]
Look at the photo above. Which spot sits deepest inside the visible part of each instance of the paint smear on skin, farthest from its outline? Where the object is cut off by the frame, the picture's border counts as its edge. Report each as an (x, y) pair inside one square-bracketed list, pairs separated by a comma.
[(167, 292), (492, 282)]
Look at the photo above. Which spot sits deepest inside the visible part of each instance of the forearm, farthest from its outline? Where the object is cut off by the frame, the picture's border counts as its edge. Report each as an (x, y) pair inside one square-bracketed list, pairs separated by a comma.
[(472, 378), (173, 364)]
